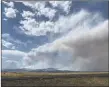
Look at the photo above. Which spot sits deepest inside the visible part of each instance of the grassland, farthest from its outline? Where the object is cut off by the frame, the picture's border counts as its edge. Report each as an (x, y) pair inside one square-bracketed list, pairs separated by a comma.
[(55, 79)]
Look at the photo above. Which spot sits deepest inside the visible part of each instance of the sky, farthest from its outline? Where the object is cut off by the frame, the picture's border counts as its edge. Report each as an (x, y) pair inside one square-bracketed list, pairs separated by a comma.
[(66, 35)]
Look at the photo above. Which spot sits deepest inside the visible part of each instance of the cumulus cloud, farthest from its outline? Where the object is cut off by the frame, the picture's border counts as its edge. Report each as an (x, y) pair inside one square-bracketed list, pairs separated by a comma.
[(34, 28), (43, 8), (27, 14), (29, 26), (9, 4), (48, 12), (40, 9), (10, 12), (63, 5), (38, 28), (83, 48)]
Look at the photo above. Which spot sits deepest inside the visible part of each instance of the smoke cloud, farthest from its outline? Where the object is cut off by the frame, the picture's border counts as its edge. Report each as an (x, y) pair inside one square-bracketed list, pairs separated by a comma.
[(84, 46)]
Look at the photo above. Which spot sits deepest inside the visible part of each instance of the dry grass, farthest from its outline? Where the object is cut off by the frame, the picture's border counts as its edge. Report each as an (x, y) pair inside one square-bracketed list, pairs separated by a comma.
[(22, 74), (55, 79)]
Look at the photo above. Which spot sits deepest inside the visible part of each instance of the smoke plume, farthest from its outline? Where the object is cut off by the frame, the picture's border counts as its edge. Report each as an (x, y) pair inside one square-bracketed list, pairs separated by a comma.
[(82, 47)]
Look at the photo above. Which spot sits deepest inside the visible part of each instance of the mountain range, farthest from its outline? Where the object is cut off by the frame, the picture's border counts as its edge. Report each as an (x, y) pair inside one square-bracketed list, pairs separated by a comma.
[(35, 70)]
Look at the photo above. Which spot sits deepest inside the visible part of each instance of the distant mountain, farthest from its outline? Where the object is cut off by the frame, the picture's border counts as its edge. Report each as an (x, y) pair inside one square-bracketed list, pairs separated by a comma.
[(14, 70), (46, 70), (35, 70)]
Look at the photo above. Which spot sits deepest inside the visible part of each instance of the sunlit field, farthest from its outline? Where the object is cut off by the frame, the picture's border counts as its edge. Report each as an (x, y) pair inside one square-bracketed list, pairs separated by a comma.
[(55, 79)]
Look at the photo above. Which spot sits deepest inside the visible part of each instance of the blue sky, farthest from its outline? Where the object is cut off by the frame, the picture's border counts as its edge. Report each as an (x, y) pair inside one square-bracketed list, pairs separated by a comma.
[(30, 31)]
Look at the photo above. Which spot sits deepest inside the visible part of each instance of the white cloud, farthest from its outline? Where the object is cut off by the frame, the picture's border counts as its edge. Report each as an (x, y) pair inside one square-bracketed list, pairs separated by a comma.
[(5, 35), (65, 5), (42, 8), (30, 4), (29, 26), (13, 54), (8, 44), (82, 18), (32, 27), (7, 41), (39, 8), (10, 12), (9, 4), (47, 12), (27, 14)]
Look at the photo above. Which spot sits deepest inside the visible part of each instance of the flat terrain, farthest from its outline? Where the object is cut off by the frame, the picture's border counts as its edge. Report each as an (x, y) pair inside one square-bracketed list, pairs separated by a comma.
[(54, 79)]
